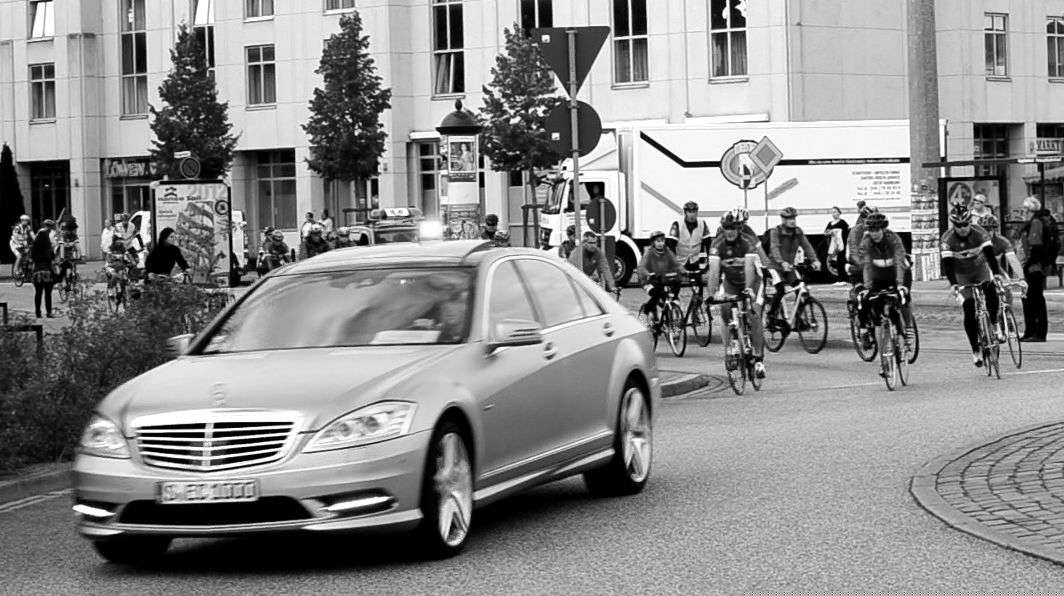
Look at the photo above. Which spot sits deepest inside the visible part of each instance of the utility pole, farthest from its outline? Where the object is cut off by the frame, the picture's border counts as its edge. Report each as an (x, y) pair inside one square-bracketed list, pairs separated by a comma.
[(923, 93)]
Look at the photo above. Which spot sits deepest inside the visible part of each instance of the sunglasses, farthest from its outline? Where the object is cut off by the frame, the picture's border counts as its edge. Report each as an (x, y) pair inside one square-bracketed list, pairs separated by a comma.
[(961, 225)]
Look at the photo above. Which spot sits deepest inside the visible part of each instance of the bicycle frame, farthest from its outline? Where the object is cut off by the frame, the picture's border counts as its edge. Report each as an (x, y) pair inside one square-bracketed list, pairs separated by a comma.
[(800, 291)]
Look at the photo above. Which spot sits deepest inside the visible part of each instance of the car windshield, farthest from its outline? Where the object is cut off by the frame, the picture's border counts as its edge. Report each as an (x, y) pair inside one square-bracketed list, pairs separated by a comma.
[(385, 236), (350, 308)]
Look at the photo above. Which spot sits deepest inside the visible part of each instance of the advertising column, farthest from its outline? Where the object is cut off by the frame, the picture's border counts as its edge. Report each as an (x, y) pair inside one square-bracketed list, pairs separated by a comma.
[(459, 140)]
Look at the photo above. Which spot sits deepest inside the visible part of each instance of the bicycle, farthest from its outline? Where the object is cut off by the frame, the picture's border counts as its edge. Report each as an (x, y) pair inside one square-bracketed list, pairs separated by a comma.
[(895, 356), (807, 317), (117, 288), (71, 285), (667, 318), (739, 359), (697, 313), (24, 273), (1007, 321), (863, 334), (988, 343)]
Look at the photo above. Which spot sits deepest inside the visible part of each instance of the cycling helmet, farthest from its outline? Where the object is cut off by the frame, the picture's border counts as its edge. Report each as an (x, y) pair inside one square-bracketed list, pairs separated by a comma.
[(656, 234), (267, 230), (867, 210), (731, 220), (277, 235), (990, 222), (877, 221), (960, 214), (690, 206), (24, 218), (49, 223), (789, 213), (316, 229), (502, 235), (741, 214)]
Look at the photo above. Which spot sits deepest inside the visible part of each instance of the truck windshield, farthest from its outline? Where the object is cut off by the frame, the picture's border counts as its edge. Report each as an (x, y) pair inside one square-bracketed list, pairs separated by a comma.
[(397, 235), (350, 308), (554, 202)]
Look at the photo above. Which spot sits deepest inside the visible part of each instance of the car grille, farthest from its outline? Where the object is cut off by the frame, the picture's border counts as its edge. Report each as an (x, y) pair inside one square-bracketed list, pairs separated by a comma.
[(213, 445), (265, 510)]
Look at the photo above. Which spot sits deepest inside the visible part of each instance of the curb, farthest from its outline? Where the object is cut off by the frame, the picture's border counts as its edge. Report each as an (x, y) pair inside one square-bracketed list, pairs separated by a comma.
[(53, 477), (922, 488), (684, 383)]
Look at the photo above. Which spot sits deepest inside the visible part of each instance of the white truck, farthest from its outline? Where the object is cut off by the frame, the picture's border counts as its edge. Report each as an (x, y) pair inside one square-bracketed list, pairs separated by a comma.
[(649, 173)]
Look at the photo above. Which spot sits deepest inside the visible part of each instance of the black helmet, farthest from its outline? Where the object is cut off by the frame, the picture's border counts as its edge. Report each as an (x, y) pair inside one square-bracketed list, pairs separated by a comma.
[(690, 206), (570, 231), (789, 213), (960, 214), (730, 221), (877, 221), (491, 220)]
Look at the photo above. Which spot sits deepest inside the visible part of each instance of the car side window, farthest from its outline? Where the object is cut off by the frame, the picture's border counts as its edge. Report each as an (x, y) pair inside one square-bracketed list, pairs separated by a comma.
[(508, 298), (552, 292), (590, 306)]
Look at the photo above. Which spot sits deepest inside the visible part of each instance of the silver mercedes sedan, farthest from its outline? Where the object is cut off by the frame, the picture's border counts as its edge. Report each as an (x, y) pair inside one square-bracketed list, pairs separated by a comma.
[(394, 387)]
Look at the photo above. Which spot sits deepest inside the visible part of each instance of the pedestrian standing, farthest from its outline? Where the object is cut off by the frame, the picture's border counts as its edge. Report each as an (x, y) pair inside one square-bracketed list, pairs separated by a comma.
[(837, 232), (43, 255), (308, 222), (491, 226), (1033, 239), (327, 222)]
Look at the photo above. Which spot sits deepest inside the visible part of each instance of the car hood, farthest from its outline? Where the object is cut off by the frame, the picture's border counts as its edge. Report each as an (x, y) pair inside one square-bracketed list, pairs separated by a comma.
[(319, 383)]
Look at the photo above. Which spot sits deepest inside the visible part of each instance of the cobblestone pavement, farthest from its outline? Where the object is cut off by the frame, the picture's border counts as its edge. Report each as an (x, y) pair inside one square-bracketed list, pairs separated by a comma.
[(1009, 491)]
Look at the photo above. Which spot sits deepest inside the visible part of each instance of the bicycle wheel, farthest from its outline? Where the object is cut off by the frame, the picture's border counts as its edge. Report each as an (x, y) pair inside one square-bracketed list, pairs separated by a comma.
[(812, 325), (63, 290), (1012, 335), (114, 298), (77, 288), (700, 321), (914, 341), (864, 342), (774, 338), (675, 330), (887, 362), (734, 366), (991, 348), (16, 276), (901, 358)]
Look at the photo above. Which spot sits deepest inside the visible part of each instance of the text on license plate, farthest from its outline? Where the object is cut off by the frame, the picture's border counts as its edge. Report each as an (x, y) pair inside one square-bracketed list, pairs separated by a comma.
[(222, 491)]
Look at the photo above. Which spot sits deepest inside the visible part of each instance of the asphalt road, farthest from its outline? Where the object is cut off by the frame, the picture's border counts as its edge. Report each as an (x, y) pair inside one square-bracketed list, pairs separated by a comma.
[(801, 487)]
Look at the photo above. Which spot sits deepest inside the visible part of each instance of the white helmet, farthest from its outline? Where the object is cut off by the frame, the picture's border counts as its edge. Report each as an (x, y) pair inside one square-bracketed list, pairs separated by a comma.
[(24, 218), (316, 229)]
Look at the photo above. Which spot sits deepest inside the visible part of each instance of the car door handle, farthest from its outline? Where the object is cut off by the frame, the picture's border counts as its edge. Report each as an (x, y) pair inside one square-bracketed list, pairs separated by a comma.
[(607, 329), (549, 351)]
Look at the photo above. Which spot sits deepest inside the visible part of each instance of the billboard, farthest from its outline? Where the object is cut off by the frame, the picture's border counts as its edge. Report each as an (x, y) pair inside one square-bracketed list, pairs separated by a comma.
[(199, 214)]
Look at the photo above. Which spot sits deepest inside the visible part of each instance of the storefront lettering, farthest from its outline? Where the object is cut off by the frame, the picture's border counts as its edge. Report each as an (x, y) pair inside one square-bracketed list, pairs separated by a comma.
[(130, 168)]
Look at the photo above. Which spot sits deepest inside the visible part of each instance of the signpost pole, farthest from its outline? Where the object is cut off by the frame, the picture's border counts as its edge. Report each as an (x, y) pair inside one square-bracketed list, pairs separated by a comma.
[(766, 205), (234, 280), (574, 125)]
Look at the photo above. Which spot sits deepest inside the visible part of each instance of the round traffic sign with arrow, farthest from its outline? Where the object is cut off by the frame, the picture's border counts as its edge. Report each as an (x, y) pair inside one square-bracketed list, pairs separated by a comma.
[(601, 215)]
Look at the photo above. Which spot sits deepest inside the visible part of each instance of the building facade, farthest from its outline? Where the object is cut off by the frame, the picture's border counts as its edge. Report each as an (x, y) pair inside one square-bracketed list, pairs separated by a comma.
[(77, 77)]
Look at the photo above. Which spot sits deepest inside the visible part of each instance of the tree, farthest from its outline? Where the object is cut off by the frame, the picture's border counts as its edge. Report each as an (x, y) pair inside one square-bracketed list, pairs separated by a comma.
[(518, 100), (346, 134), (193, 119), (11, 206)]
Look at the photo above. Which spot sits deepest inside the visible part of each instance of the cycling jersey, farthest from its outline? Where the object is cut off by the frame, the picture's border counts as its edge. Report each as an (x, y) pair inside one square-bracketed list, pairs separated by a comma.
[(853, 244), (965, 259), (729, 260), (883, 261), (784, 243)]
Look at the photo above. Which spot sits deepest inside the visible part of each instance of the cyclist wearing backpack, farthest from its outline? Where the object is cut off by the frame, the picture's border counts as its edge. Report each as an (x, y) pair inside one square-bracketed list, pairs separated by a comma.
[(1040, 247)]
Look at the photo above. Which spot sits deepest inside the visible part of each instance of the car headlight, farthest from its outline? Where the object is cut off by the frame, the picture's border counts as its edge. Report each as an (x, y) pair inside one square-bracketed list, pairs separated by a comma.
[(103, 438), (371, 424)]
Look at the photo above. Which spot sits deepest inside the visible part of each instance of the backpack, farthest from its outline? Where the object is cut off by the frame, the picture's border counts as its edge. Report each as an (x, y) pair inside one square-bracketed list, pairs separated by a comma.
[(1050, 239)]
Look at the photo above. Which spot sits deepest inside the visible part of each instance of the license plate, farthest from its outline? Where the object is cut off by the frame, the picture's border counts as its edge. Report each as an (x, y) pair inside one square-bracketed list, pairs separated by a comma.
[(221, 491)]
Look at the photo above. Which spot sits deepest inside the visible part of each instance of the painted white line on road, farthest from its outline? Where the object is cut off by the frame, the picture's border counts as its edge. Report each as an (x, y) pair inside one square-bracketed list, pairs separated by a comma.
[(1033, 372), (27, 501)]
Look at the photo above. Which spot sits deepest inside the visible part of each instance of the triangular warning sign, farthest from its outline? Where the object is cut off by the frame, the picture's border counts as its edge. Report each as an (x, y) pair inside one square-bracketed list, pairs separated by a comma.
[(554, 46)]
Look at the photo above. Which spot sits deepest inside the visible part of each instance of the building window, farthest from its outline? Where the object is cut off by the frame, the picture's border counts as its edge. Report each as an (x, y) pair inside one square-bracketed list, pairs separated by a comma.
[(448, 59), (203, 28), (727, 25), (995, 36), (49, 189), (255, 9), (1055, 46), (991, 142), (339, 4), (43, 19), (536, 13), (134, 58), (276, 189), (262, 75), (42, 91), (630, 41), (428, 171)]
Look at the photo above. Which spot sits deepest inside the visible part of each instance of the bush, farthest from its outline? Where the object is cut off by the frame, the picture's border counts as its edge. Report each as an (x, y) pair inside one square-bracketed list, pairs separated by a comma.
[(45, 405)]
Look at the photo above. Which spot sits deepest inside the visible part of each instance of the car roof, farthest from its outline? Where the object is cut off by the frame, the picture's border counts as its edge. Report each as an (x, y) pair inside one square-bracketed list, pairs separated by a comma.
[(464, 253)]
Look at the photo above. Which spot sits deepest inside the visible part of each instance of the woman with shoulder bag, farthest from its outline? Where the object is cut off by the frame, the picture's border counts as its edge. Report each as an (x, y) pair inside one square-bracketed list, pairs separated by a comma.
[(43, 255)]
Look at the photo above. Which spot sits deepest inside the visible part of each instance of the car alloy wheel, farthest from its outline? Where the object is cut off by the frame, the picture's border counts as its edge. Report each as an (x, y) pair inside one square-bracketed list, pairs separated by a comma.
[(447, 493), (627, 472)]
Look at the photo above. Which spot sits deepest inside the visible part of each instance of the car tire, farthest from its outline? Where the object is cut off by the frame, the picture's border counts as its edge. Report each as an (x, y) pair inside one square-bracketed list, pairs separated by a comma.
[(133, 550), (446, 493), (628, 470)]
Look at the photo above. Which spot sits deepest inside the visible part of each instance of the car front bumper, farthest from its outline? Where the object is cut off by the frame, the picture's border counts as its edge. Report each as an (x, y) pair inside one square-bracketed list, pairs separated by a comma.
[(310, 481)]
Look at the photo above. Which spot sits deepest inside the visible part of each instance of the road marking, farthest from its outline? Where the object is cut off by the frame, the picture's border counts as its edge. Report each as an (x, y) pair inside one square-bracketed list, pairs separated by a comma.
[(1034, 372), (27, 501)]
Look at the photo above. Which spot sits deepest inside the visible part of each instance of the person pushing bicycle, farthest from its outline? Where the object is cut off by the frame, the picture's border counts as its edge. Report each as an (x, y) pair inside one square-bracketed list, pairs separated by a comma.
[(733, 262), (657, 262)]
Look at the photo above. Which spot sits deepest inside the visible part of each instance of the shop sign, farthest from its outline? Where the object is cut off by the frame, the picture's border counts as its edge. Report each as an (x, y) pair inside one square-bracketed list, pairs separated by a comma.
[(130, 168)]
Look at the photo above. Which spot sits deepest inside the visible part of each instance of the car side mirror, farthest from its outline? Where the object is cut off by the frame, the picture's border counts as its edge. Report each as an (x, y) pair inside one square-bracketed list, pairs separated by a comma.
[(179, 344), (514, 332)]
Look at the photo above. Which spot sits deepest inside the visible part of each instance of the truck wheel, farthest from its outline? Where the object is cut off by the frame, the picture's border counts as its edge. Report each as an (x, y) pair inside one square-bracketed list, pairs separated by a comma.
[(623, 266)]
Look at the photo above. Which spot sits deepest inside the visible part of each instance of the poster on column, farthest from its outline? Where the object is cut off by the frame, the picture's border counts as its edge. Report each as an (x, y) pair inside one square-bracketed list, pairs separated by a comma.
[(199, 214), (462, 159)]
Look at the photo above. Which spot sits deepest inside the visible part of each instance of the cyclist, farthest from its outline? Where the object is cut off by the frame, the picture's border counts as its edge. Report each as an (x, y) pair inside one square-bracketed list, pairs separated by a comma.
[(21, 237), (853, 247), (164, 255), (595, 264), (314, 244), (569, 244), (884, 268), (119, 261), (657, 262), (1004, 253), (275, 251), (343, 238), (689, 238), (733, 264), (68, 247), (784, 242), (966, 253)]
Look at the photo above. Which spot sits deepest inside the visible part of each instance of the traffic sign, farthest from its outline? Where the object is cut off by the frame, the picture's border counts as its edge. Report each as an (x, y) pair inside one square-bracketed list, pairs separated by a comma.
[(554, 46), (559, 128), (601, 215), (189, 168), (766, 155)]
